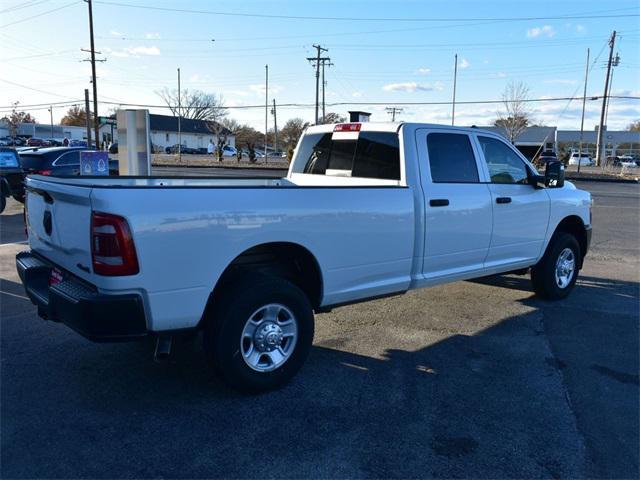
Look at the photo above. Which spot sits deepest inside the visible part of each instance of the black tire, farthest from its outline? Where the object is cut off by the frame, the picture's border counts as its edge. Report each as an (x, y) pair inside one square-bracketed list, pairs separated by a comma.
[(543, 275), (226, 319), (3, 202)]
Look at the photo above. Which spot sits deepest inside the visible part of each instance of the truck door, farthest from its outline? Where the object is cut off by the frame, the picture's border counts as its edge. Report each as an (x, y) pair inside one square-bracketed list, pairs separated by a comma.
[(520, 210), (458, 206)]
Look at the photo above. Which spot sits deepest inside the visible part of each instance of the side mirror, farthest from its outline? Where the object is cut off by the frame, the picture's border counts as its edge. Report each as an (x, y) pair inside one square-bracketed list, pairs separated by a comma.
[(554, 175)]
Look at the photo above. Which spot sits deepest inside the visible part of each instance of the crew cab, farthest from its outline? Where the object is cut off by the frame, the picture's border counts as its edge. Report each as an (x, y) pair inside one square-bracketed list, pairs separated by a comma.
[(366, 210)]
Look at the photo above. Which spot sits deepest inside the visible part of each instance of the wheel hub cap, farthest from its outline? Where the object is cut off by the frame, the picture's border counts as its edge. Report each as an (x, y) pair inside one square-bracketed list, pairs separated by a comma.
[(565, 268), (268, 337)]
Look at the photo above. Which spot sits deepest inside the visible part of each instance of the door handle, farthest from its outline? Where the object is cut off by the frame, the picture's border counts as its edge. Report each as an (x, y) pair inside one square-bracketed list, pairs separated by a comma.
[(503, 200), (439, 202)]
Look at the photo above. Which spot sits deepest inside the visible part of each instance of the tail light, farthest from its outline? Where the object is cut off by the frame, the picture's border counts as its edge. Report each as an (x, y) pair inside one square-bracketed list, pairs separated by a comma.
[(42, 172), (112, 250), (347, 127)]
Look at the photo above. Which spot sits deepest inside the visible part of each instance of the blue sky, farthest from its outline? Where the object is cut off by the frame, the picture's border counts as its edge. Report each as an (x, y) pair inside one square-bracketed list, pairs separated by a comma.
[(401, 58)]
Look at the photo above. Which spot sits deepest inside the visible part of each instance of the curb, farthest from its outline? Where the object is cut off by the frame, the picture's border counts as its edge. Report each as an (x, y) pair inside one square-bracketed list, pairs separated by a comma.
[(603, 180), (244, 167)]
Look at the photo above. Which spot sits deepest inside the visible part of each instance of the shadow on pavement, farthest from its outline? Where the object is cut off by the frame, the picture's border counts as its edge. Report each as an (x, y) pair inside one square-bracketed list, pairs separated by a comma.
[(492, 404)]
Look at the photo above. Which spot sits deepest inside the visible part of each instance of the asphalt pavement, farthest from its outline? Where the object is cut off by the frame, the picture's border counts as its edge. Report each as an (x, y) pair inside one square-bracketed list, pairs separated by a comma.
[(473, 379)]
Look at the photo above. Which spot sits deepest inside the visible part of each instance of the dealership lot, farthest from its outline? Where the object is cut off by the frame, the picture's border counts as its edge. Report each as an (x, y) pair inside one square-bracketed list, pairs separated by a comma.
[(473, 379)]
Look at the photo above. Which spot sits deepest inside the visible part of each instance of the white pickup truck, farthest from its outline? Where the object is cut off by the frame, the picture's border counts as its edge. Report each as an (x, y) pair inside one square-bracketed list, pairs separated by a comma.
[(366, 210)]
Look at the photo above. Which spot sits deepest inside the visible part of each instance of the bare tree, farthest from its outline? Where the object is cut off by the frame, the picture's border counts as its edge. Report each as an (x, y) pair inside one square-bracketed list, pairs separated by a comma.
[(291, 131), (15, 118), (333, 117), (194, 104), (515, 115)]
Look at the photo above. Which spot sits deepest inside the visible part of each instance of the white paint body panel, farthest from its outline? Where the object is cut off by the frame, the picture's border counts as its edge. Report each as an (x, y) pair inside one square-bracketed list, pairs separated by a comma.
[(369, 237)]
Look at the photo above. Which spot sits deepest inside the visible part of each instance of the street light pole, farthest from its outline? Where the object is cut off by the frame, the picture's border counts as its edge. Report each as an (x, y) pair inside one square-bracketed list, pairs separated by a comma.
[(266, 109), (51, 113), (455, 80), (179, 125), (584, 100)]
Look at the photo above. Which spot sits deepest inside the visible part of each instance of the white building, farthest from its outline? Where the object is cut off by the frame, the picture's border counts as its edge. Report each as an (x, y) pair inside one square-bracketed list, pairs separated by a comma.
[(164, 132)]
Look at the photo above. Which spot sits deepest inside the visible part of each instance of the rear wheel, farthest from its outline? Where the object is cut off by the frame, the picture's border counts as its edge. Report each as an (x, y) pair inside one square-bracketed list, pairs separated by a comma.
[(555, 275), (259, 332)]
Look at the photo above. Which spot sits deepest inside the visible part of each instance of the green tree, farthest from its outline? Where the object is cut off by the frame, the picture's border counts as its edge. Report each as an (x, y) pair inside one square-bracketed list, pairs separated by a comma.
[(291, 131)]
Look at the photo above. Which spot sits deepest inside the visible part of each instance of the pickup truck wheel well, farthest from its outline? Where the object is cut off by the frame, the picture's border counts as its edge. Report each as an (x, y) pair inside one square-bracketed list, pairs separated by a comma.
[(287, 260), (575, 226)]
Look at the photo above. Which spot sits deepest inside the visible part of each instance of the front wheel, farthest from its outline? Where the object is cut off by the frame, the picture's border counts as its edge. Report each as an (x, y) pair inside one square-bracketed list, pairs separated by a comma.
[(555, 275), (259, 332)]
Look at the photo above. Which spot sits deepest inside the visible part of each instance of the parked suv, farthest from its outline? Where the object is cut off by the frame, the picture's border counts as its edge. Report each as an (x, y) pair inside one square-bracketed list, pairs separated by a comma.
[(11, 177), (57, 161)]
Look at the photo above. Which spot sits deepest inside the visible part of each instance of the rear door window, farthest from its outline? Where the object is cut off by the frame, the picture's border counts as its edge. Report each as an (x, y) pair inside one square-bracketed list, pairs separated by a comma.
[(371, 155), (451, 158)]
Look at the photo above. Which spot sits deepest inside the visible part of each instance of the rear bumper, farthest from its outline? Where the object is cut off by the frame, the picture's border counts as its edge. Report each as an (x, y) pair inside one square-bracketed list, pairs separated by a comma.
[(98, 317)]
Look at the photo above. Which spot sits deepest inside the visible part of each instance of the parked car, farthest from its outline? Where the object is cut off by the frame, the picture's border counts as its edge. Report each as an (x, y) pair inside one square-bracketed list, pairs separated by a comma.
[(229, 151), (52, 142), (350, 222), (78, 143), (628, 161), (11, 177), (184, 149), (11, 142), (37, 142), (56, 161), (583, 159)]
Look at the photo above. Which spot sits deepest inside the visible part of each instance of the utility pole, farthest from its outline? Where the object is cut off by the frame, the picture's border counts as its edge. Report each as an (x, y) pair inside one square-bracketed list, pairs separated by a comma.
[(455, 80), (584, 100), (88, 115), (324, 84), (316, 61), (393, 111), (179, 122), (96, 124), (51, 113), (599, 146), (616, 62), (275, 124), (266, 109)]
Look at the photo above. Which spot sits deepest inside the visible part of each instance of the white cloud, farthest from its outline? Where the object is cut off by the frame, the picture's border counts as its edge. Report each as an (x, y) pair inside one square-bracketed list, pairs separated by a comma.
[(464, 63), (115, 33), (407, 87), (580, 28), (423, 71), (501, 75), (544, 31), (136, 52), (357, 94), (152, 36), (258, 88), (560, 81), (195, 78), (141, 50)]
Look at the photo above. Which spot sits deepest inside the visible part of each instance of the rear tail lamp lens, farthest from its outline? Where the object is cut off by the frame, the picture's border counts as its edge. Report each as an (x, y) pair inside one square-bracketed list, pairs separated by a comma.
[(112, 250)]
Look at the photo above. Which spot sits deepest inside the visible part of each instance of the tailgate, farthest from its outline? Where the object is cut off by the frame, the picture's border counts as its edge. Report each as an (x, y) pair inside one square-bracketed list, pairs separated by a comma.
[(59, 222)]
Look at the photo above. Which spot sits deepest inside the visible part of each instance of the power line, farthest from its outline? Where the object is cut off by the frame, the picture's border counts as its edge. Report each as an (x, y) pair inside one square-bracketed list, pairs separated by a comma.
[(360, 19), (26, 19), (34, 89)]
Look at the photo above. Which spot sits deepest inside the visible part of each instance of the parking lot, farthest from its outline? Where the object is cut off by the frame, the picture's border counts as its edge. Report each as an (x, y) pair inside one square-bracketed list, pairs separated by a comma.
[(472, 379)]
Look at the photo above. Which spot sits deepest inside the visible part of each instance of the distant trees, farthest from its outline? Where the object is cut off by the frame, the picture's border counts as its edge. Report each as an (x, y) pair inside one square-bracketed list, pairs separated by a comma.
[(515, 115), (194, 104), (291, 131), (17, 117), (333, 117), (634, 126), (75, 116)]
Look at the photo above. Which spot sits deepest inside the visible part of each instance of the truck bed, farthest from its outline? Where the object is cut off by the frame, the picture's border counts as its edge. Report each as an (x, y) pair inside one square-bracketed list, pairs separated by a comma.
[(156, 182)]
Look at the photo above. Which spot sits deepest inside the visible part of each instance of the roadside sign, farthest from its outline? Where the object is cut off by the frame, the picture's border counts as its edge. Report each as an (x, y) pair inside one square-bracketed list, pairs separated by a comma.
[(94, 163)]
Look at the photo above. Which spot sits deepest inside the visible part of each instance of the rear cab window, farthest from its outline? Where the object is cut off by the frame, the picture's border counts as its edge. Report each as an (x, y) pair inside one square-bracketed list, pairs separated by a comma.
[(366, 154)]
